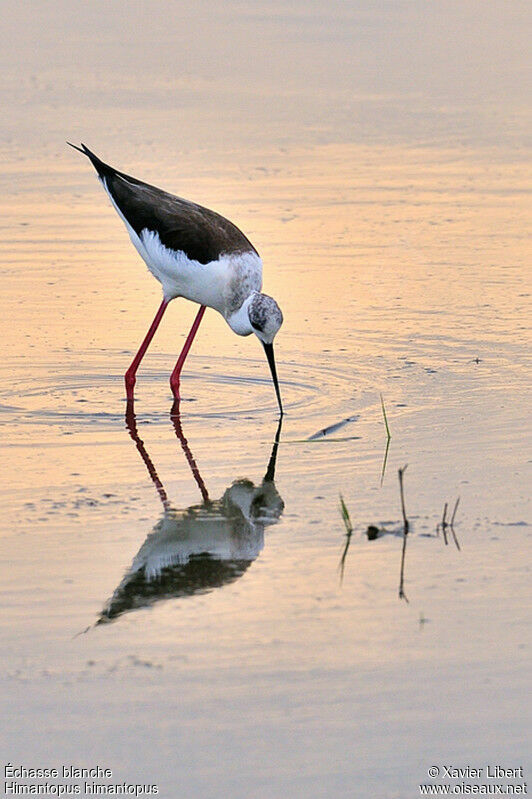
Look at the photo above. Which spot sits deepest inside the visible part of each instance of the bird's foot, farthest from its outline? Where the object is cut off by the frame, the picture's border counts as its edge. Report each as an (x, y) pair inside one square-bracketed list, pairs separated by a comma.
[(174, 385), (176, 408), (130, 380)]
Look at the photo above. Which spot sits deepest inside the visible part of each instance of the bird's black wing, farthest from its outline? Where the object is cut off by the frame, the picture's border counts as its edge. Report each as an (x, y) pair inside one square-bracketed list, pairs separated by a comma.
[(202, 234)]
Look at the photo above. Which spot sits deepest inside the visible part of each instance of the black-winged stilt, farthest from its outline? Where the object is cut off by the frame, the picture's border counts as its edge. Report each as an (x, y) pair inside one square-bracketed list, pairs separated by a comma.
[(194, 253)]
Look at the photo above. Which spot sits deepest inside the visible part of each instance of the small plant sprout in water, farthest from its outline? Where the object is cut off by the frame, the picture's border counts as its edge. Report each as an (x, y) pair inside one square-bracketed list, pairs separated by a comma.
[(388, 439), (348, 533), (385, 418), (373, 532), (445, 525)]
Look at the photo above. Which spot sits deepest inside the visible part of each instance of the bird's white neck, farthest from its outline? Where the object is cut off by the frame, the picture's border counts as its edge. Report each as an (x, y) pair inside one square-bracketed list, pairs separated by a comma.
[(239, 320)]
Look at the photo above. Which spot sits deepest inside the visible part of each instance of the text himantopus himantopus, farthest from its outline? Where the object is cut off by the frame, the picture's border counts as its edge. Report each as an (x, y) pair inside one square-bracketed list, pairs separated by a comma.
[(194, 253)]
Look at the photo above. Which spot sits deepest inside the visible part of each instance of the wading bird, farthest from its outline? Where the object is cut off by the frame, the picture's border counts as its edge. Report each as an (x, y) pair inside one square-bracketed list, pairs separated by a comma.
[(194, 253)]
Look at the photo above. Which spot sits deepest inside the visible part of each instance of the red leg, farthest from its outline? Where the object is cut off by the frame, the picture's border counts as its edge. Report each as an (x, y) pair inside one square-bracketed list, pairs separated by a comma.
[(174, 379), (129, 376)]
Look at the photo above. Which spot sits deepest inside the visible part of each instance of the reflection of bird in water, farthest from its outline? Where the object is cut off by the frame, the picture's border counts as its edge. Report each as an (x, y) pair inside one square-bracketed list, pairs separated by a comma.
[(194, 253), (198, 548)]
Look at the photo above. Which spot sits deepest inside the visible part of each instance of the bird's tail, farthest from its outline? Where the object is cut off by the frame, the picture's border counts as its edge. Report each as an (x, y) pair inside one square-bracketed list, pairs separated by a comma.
[(75, 146), (103, 170)]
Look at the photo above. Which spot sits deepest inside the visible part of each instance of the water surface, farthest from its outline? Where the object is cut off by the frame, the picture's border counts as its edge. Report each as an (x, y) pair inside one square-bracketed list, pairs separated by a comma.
[(172, 594)]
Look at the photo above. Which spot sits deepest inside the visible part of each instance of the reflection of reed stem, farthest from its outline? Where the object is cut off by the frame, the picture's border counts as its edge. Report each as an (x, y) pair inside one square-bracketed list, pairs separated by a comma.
[(406, 528), (348, 534)]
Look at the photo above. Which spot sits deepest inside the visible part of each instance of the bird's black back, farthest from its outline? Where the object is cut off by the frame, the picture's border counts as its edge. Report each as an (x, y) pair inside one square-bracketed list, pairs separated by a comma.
[(202, 234)]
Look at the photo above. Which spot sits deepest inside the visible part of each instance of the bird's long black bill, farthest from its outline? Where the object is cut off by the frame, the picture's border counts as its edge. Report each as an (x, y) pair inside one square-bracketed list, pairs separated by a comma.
[(268, 349)]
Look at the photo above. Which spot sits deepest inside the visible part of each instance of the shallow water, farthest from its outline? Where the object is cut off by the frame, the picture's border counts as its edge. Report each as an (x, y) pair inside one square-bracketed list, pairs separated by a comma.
[(174, 607)]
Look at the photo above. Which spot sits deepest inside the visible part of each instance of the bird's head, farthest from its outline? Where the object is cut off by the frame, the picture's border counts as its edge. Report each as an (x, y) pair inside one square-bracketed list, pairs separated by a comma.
[(261, 315), (265, 318)]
